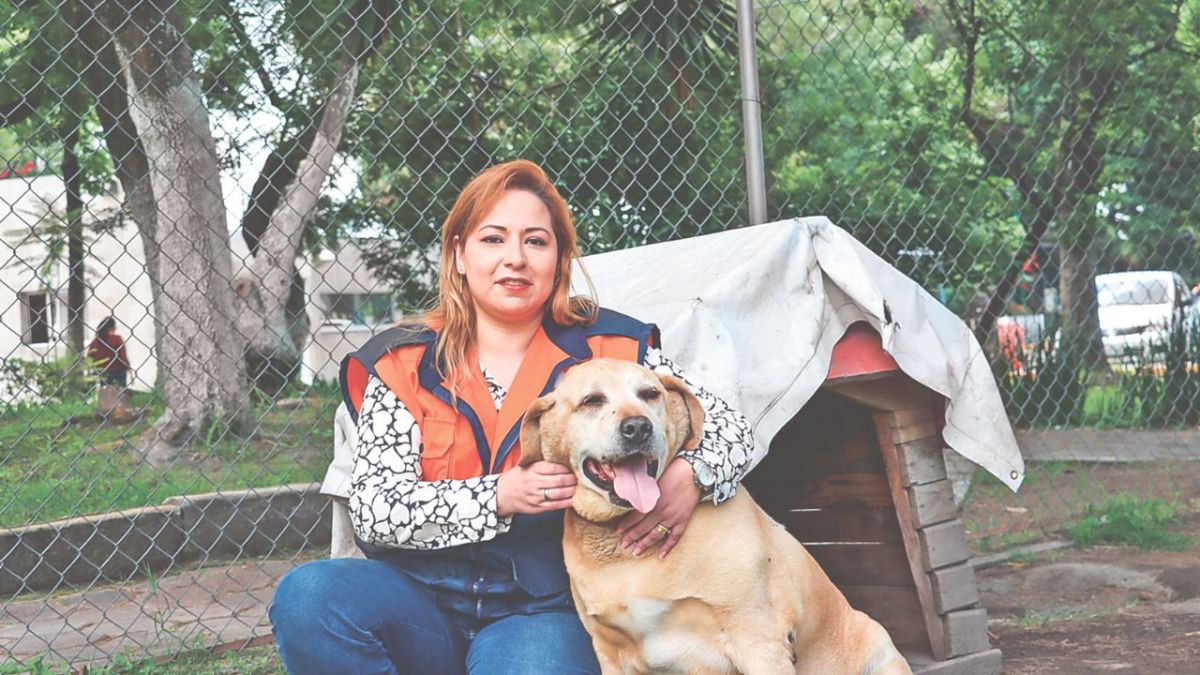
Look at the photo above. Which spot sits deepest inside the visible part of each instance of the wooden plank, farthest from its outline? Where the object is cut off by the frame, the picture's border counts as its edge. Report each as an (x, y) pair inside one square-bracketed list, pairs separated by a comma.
[(907, 417), (921, 460), (842, 524), (934, 628), (954, 587), (843, 489), (980, 663), (896, 392), (863, 564), (856, 452), (943, 545), (894, 609), (966, 631), (932, 503), (912, 430)]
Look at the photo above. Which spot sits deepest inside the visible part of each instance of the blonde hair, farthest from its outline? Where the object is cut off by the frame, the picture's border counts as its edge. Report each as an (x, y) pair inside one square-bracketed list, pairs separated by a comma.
[(453, 316)]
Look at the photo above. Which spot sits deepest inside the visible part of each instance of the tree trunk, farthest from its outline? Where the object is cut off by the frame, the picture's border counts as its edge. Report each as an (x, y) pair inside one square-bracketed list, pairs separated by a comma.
[(272, 352), (1077, 295), (97, 61), (76, 288), (202, 373)]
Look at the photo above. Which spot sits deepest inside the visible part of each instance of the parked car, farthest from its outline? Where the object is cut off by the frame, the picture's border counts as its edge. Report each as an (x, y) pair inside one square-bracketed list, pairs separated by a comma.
[(1137, 311)]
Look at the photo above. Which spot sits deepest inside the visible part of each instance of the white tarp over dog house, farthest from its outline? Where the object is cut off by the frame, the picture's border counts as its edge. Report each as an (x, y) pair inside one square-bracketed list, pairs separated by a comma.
[(754, 313)]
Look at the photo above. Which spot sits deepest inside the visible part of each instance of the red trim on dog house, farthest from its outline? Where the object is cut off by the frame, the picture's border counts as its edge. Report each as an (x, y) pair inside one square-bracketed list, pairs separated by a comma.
[(860, 353)]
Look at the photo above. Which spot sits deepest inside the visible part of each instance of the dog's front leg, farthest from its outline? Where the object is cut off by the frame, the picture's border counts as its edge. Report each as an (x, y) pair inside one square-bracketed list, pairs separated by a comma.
[(755, 653)]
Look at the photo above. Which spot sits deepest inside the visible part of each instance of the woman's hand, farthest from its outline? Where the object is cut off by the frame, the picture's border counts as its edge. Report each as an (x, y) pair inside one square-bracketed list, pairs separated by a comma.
[(537, 488), (679, 498)]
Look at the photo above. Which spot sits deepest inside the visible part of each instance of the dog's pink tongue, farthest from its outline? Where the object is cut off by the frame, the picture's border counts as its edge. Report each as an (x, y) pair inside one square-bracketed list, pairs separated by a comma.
[(636, 486)]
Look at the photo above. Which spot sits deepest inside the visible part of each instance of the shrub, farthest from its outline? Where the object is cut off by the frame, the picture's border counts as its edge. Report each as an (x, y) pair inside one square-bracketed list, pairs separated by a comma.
[(61, 380), (1163, 387)]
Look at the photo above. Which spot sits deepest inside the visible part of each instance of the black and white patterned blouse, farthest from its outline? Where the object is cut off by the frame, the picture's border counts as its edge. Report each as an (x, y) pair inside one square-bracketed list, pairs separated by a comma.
[(390, 505)]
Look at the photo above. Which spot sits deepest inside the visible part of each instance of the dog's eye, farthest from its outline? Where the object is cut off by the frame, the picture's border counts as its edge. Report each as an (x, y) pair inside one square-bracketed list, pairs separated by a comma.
[(649, 394), (592, 401)]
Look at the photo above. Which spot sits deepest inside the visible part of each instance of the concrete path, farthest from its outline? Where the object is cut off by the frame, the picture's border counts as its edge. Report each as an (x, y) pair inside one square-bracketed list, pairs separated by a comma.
[(1109, 445), (200, 608)]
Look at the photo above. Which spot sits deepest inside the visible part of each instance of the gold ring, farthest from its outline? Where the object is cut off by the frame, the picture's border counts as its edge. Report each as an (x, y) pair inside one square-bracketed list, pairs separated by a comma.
[(663, 530), (545, 494)]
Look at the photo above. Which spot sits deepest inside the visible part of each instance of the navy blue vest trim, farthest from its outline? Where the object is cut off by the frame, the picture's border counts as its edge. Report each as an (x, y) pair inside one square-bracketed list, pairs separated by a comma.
[(374, 349), (609, 322)]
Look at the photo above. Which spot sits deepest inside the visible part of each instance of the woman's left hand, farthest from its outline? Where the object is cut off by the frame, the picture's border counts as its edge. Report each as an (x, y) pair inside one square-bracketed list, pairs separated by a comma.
[(679, 496)]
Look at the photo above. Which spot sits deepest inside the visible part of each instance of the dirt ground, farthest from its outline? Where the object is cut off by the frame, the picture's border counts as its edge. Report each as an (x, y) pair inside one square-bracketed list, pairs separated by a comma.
[(1098, 609)]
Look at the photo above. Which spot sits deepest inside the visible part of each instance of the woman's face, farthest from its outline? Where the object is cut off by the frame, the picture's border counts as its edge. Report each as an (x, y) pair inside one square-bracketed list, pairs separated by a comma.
[(510, 259)]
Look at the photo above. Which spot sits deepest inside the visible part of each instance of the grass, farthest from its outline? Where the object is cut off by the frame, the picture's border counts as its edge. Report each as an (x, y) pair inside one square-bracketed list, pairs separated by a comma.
[(58, 460), (253, 661), (1127, 519), (1045, 618)]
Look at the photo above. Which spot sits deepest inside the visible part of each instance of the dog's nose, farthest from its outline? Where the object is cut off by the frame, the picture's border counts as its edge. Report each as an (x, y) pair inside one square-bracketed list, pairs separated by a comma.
[(636, 429)]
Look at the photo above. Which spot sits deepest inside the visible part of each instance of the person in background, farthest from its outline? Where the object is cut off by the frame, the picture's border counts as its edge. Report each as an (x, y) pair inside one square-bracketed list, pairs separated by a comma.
[(107, 352)]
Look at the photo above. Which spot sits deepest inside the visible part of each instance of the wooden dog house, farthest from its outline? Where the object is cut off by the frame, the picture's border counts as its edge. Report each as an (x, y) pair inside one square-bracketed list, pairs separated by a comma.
[(859, 478)]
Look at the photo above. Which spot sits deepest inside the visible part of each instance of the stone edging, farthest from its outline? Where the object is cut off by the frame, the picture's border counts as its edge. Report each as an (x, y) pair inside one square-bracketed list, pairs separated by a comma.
[(87, 550)]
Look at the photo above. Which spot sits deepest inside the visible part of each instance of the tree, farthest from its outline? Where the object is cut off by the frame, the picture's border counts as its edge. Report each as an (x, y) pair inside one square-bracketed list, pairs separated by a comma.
[(1048, 94), (486, 82), (133, 64), (856, 129), (286, 200), (201, 350)]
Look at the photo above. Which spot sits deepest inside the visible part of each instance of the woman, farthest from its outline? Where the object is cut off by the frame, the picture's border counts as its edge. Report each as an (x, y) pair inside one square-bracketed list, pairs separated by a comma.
[(107, 352), (464, 568)]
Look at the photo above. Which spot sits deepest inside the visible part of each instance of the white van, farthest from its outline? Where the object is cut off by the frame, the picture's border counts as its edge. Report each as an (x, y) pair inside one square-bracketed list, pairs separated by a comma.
[(1138, 309)]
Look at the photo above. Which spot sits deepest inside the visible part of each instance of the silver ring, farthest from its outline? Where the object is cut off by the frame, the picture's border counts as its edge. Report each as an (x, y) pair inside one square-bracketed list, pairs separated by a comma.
[(663, 530), (545, 494)]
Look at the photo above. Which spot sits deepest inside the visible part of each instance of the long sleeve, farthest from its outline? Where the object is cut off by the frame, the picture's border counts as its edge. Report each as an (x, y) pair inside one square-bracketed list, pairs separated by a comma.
[(726, 449), (390, 504)]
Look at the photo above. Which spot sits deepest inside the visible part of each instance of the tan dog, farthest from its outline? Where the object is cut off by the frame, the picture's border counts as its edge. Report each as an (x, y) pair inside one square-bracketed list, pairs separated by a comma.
[(738, 594)]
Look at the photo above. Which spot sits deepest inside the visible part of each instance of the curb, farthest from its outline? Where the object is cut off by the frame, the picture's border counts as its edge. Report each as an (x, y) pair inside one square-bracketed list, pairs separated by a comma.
[(119, 545)]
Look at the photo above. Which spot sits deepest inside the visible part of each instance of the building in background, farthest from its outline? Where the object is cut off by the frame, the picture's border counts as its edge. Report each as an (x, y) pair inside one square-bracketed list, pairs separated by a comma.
[(346, 304)]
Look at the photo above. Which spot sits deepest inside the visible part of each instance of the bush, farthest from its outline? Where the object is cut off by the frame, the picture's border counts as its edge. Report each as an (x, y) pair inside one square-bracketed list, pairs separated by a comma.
[(1125, 519), (66, 379), (1163, 387)]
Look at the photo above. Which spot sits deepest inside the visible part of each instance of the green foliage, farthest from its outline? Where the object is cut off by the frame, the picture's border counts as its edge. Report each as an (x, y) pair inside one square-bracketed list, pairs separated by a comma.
[(1126, 519), (1164, 385), (637, 160), (860, 127), (67, 379)]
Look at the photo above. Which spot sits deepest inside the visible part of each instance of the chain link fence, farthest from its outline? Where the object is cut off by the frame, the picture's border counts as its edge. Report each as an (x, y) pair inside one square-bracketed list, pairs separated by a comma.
[(1032, 166)]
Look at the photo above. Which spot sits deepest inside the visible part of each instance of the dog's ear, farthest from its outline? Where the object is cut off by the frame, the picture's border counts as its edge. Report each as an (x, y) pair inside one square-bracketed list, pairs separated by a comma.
[(683, 410), (531, 430)]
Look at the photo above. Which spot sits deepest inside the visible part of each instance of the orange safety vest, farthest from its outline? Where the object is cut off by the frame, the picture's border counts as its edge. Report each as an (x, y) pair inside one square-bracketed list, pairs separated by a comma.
[(472, 438)]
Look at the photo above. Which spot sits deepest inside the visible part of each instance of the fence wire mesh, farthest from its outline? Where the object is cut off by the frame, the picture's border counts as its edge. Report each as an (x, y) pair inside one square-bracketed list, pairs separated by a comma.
[(251, 188)]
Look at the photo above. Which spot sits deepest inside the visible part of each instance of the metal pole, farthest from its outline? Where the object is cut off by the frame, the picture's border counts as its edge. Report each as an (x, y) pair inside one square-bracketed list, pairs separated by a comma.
[(756, 185)]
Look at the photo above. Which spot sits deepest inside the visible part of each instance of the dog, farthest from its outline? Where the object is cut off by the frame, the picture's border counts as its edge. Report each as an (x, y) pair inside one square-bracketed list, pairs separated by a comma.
[(738, 594)]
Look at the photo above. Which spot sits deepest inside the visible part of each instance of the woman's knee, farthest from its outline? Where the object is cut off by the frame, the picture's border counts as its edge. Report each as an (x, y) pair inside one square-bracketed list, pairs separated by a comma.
[(306, 594)]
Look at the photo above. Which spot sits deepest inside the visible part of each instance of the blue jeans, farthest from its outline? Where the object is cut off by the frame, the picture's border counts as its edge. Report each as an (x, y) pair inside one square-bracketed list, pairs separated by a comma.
[(374, 616)]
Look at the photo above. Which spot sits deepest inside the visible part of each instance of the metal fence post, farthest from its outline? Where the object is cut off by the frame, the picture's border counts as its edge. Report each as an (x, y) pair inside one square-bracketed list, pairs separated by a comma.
[(756, 188)]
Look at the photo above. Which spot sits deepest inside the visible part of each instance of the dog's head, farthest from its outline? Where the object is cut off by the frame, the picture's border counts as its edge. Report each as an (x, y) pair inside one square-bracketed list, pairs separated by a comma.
[(617, 425)]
